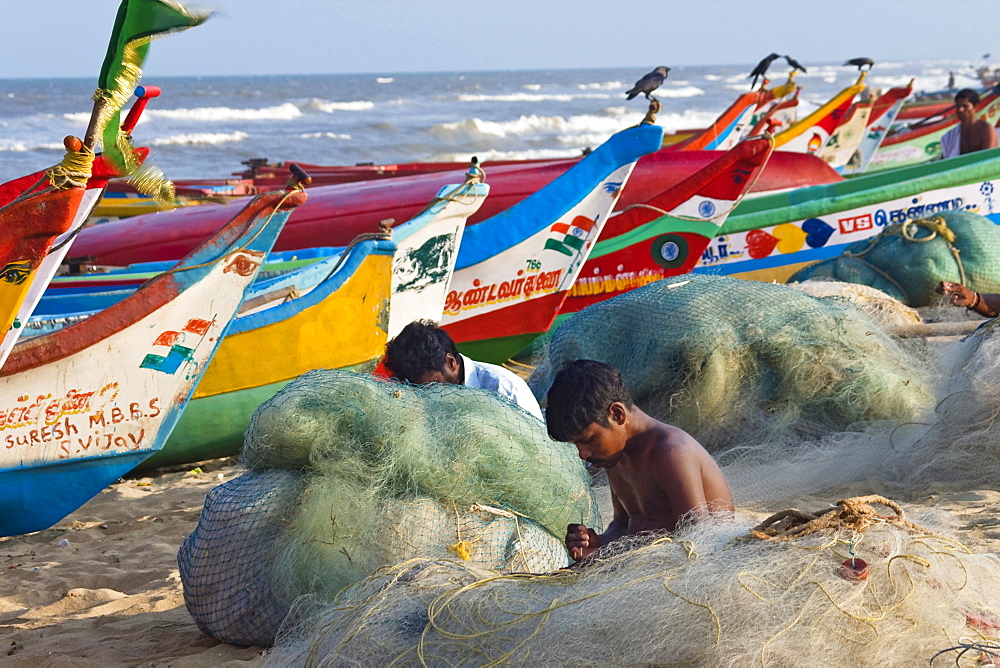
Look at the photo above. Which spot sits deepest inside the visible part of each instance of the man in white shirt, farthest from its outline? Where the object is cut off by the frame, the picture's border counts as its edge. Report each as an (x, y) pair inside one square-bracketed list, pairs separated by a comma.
[(424, 353)]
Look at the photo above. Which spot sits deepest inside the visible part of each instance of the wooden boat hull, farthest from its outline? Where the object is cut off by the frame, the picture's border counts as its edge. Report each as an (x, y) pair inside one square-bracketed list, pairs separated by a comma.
[(917, 146), (771, 237), (82, 404), (336, 214), (515, 269)]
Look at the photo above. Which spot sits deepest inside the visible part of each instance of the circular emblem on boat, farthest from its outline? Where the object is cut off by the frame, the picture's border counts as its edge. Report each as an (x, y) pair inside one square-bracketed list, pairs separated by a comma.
[(706, 209), (669, 250)]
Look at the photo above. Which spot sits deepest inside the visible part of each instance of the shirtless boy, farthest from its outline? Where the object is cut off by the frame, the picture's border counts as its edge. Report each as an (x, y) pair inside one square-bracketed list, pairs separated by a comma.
[(658, 473)]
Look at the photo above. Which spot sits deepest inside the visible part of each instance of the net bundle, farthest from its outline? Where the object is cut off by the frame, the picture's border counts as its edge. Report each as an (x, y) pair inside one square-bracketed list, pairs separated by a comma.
[(907, 260), (886, 310), (713, 594), (736, 362), (348, 474), (955, 448)]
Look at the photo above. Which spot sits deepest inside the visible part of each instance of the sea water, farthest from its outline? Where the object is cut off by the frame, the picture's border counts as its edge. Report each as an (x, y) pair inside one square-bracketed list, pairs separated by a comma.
[(204, 127)]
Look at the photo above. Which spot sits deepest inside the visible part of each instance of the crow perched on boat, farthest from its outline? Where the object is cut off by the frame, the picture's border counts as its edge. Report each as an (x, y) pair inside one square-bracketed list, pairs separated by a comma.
[(648, 83), (794, 64), (761, 68), (860, 62)]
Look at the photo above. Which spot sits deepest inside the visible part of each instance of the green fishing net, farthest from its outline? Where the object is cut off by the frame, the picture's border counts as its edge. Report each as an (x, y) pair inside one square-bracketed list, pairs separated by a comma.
[(907, 260), (348, 473), (706, 596), (736, 362)]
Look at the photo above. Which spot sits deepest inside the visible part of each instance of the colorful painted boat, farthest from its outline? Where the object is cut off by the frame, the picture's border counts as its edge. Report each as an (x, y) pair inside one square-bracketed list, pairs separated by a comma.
[(335, 214), (101, 171), (515, 269), (667, 236), (84, 405), (813, 132), (769, 238), (883, 115), (329, 314), (922, 143)]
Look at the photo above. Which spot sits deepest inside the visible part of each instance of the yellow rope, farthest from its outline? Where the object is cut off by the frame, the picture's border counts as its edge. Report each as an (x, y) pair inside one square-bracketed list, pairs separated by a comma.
[(74, 171)]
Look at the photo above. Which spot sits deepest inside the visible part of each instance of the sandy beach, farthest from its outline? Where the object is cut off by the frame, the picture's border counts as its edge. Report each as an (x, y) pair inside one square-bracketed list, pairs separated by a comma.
[(102, 587)]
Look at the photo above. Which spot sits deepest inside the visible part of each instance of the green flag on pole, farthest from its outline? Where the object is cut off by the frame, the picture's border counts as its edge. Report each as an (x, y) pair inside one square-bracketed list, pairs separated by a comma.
[(137, 24)]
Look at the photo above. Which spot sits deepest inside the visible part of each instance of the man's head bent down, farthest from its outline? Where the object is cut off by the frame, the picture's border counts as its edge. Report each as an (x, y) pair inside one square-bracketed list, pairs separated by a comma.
[(422, 352)]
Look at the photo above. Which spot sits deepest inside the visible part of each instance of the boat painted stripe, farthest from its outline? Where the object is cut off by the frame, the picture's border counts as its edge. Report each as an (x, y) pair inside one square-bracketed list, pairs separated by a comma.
[(538, 211)]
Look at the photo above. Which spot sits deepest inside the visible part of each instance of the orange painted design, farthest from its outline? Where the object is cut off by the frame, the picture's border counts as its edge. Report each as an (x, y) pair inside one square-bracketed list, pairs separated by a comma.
[(166, 339), (199, 326), (243, 263)]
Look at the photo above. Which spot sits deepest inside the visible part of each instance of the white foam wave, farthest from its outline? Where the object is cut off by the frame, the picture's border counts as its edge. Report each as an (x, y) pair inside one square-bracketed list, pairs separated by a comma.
[(78, 117), (329, 107), (16, 146), (321, 135), (384, 80), (281, 112), (532, 86), (527, 126), (200, 138), (684, 91), (531, 97), (607, 85)]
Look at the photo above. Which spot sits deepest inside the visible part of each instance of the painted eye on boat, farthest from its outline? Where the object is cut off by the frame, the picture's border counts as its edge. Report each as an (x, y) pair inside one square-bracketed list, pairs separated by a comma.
[(16, 273)]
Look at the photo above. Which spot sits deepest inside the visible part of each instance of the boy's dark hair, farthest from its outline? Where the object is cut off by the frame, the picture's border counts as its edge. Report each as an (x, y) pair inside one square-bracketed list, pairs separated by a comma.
[(968, 95), (419, 349), (581, 394)]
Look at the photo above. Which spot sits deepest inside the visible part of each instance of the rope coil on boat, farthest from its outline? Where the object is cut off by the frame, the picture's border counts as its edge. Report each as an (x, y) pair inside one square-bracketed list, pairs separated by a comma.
[(75, 169)]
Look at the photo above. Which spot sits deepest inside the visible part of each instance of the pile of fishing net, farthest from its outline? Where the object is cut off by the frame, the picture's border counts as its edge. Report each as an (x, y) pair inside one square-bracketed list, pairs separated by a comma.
[(907, 260), (956, 447), (737, 362), (889, 312), (852, 585), (348, 474)]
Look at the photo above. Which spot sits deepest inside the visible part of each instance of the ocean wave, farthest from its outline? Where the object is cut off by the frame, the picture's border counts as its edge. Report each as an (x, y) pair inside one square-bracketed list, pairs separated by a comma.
[(200, 138), (281, 112), (384, 80), (526, 126), (492, 154), (324, 135), (684, 91), (17, 146), (328, 107), (607, 85), (532, 86), (531, 97)]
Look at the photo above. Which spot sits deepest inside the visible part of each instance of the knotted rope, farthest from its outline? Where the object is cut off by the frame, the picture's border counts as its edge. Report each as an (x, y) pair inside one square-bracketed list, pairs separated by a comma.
[(853, 514)]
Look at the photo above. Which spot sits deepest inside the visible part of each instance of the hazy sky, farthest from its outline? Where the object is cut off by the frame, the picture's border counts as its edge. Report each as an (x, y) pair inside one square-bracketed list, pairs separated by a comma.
[(49, 38)]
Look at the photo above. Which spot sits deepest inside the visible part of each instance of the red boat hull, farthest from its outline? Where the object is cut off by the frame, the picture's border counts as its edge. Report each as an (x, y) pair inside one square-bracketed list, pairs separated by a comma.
[(336, 214)]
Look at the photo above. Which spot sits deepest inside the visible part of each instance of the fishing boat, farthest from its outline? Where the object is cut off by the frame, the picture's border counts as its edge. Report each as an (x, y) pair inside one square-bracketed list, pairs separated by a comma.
[(813, 132), (769, 238), (667, 236), (515, 269), (332, 313), (84, 405), (335, 214), (884, 112), (921, 142), (35, 211)]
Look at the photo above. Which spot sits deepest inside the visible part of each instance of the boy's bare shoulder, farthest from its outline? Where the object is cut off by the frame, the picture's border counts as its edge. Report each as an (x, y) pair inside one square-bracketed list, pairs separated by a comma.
[(671, 442)]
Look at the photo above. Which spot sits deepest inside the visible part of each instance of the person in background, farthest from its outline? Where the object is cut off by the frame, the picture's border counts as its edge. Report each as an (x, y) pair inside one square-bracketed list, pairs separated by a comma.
[(659, 474), (424, 353), (971, 134), (957, 294)]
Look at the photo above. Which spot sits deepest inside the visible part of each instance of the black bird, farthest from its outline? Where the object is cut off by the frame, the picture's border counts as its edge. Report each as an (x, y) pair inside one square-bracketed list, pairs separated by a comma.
[(860, 62), (761, 68), (794, 64), (648, 83), (986, 55)]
